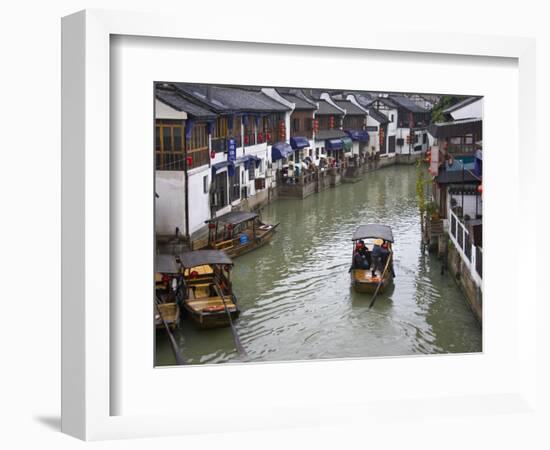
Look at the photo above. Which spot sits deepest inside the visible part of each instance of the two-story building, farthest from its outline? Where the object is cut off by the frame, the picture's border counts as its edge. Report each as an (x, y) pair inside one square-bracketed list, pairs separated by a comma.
[(249, 122), (407, 126), (182, 159)]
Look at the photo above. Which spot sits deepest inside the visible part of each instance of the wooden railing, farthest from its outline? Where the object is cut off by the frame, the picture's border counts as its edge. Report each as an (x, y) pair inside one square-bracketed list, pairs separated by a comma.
[(198, 157)]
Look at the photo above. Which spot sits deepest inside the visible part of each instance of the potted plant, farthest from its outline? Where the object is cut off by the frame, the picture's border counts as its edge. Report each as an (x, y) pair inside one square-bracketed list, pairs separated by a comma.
[(432, 209)]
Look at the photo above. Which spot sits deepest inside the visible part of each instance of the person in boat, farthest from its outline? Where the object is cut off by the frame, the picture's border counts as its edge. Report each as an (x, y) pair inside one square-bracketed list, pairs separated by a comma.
[(359, 259), (386, 250), (365, 252), (379, 256)]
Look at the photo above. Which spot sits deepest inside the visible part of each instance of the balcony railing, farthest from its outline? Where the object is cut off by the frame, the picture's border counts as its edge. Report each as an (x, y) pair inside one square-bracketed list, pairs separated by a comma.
[(170, 161), (469, 253), (198, 157), (460, 148)]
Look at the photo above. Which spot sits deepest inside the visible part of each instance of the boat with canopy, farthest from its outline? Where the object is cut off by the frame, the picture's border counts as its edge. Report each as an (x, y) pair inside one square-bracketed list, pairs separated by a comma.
[(238, 232), (208, 295), (372, 258)]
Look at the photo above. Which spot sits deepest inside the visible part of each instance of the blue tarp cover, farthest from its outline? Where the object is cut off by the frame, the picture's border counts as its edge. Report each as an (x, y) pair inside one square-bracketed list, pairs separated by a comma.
[(334, 144), (358, 135), (280, 151), (229, 164), (247, 159), (298, 142)]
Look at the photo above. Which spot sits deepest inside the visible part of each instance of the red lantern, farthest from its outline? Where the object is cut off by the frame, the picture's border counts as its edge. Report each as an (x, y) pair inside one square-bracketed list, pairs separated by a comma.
[(315, 125), (246, 140), (480, 189), (211, 226), (189, 161), (331, 122), (212, 154), (282, 131), (260, 137), (268, 136)]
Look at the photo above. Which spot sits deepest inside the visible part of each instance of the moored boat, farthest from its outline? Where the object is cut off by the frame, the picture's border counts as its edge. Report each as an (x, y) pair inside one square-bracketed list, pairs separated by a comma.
[(208, 295), (372, 260), (168, 283), (238, 232)]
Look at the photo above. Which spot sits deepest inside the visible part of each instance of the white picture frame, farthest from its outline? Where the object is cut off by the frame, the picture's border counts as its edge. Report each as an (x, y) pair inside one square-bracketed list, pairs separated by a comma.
[(87, 353)]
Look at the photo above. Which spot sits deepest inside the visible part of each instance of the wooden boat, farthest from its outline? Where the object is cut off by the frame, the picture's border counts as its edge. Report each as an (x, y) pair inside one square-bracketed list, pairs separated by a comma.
[(380, 271), (238, 232), (208, 296), (168, 282)]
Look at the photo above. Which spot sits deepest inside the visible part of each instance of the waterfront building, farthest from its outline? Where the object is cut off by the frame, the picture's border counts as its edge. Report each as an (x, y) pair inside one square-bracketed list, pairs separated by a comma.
[(296, 162), (407, 129), (182, 160), (249, 124), (377, 127), (456, 164)]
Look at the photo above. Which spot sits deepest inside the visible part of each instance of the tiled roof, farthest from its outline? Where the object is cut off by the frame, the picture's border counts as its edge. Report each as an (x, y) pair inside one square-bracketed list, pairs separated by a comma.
[(300, 103), (231, 99), (456, 177), (364, 99), (455, 128), (326, 108), (377, 115), (329, 134), (350, 108), (408, 104), (460, 104), (176, 101)]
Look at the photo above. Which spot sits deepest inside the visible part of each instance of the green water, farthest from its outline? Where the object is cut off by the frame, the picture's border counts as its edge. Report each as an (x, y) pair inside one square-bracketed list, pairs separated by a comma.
[(295, 297)]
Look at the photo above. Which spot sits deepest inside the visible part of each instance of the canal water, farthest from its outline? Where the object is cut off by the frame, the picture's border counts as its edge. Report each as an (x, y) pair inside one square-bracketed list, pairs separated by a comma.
[(295, 297)]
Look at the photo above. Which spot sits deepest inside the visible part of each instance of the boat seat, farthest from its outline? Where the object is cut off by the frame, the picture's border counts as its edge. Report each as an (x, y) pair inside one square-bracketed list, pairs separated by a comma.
[(200, 304), (201, 290)]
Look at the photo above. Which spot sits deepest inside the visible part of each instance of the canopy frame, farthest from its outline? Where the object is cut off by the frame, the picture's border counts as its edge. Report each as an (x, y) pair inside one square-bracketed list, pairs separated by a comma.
[(373, 230)]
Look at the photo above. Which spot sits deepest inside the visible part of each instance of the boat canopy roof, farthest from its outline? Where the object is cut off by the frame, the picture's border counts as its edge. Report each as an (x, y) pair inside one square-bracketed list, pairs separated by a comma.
[(166, 264), (373, 230), (202, 257), (235, 217)]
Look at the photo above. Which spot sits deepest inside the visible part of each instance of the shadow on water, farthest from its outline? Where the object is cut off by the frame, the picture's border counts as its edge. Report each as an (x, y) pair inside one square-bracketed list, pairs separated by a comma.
[(295, 296)]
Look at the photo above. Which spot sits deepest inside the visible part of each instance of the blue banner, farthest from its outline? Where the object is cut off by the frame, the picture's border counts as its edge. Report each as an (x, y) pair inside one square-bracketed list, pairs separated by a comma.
[(231, 149)]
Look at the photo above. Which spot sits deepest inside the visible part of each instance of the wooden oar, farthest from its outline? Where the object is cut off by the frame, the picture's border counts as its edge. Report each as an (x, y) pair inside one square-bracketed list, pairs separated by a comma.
[(381, 281), (236, 338), (173, 343)]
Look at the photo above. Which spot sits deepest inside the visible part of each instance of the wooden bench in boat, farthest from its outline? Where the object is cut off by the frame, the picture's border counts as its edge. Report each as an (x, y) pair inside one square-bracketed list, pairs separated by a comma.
[(202, 303), (199, 290), (201, 270), (170, 313)]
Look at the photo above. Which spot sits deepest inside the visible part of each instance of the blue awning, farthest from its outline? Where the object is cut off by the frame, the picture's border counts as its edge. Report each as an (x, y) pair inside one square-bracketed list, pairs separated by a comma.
[(280, 151), (334, 144), (229, 164), (298, 142), (247, 160), (358, 135)]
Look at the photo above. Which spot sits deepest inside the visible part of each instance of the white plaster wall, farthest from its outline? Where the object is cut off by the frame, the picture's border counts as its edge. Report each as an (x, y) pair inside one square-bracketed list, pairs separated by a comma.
[(374, 140), (163, 111), (391, 130), (199, 201), (170, 205), (472, 110)]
